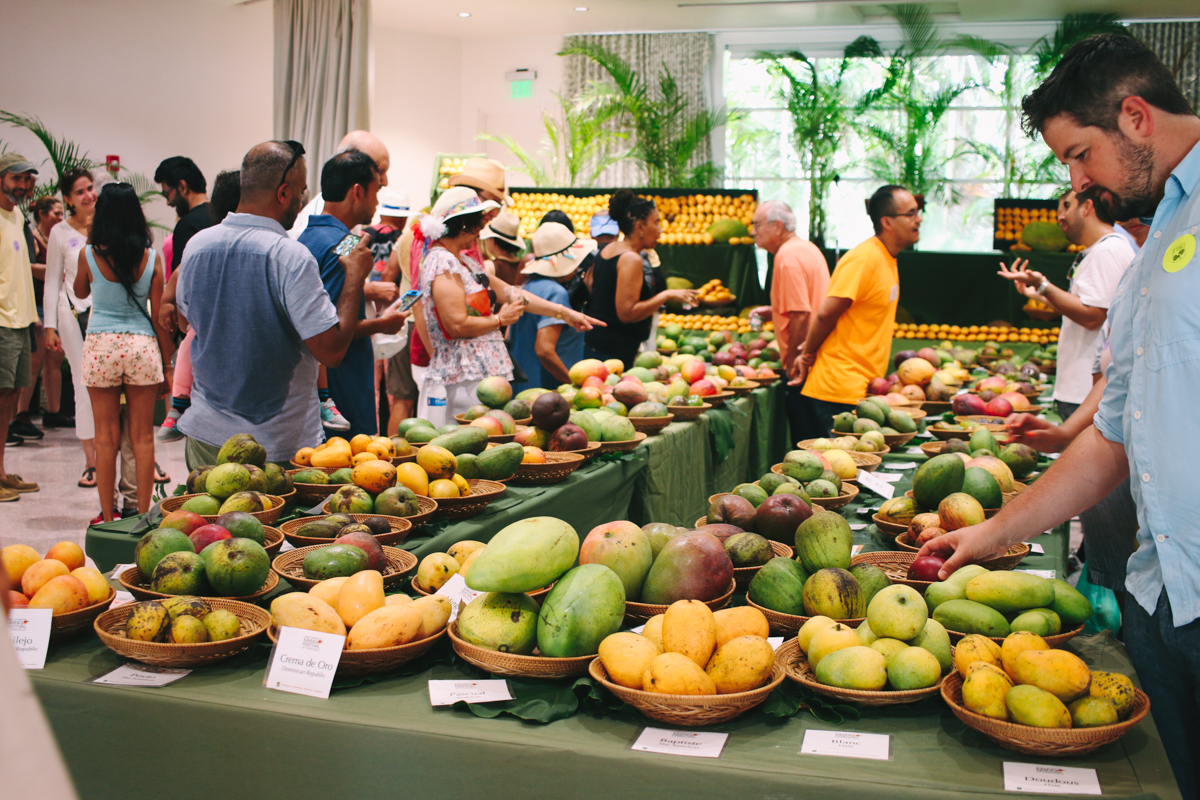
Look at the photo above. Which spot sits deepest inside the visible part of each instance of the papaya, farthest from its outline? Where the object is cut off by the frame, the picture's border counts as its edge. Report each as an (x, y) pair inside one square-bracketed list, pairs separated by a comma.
[(824, 541), (525, 556), (967, 616), (779, 586), (500, 463), (466, 439), (585, 606), (1070, 605), (1006, 590), (833, 593), (938, 478)]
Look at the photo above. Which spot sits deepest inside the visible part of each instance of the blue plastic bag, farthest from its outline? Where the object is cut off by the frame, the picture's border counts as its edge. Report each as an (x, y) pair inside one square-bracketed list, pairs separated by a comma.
[(1106, 613)]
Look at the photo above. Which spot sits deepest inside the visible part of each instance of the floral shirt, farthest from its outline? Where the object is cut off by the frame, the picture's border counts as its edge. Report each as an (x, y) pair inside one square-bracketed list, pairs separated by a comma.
[(459, 360)]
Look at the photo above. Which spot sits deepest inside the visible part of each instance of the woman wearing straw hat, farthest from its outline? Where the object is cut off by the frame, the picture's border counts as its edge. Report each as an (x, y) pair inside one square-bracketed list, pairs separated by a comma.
[(468, 307), (543, 345), (501, 244)]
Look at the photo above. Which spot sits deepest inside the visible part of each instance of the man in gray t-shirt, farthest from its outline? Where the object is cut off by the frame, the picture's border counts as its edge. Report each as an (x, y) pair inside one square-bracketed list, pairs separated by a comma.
[(263, 319)]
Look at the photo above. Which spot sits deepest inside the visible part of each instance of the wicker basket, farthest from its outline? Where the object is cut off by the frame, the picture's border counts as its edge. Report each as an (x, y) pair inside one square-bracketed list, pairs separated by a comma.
[(626, 446), (796, 665), (897, 562), (461, 419), (517, 666), (934, 407), (139, 587), (398, 460), (743, 575), (742, 391), (401, 527), (355, 663), (931, 449), (482, 493), (768, 380), (64, 626), (312, 492), (906, 405), (806, 444), (1042, 742), (787, 624), (268, 517), (887, 526), (718, 400), (290, 567), (558, 468), (110, 627), (689, 413), (985, 421), (591, 451), (651, 426), (427, 504), (849, 492), (946, 436), (272, 540), (636, 613), (689, 711), (1055, 640)]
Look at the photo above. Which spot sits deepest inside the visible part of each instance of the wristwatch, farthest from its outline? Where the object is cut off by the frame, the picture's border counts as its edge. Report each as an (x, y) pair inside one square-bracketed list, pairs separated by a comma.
[(1043, 286)]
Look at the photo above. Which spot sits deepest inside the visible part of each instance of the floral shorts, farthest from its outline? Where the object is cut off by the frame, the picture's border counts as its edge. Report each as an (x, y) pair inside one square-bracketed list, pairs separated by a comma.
[(113, 359)]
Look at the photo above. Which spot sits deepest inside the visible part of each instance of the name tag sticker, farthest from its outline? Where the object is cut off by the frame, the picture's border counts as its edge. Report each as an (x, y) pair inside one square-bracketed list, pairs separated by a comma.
[(1044, 779), (697, 744), (1179, 253)]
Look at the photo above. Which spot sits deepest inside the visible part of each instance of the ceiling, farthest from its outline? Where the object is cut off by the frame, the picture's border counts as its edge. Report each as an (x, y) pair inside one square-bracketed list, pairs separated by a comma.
[(491, 18)]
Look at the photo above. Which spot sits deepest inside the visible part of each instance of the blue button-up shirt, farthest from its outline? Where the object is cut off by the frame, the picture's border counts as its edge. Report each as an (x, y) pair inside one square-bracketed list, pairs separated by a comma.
[(1149, 405)]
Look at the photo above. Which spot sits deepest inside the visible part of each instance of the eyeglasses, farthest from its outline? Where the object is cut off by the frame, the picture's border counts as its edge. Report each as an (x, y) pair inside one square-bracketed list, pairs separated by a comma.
[(297, 151), (916, 212)]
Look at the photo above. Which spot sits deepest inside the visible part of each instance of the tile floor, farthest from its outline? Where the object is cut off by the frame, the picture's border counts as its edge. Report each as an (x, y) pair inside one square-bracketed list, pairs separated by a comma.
[(61, 510)]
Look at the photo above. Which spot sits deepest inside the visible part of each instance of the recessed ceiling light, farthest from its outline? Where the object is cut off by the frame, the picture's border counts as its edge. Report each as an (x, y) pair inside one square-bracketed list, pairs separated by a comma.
[(464, 13)]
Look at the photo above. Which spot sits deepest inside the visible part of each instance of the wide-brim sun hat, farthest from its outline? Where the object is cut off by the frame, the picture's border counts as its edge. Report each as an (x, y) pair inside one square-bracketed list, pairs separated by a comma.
[(506, 227), (459, 200), (486, 176), (557, 251)]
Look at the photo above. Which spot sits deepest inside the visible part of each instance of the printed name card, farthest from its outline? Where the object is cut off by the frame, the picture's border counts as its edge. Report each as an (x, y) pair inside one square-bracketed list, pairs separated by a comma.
[(132, 674), (901, 465), (1037, 548), (304, 662), (868, 480), (447, 693), (1049, 574), (875, 746), (914, 451), (858, 526), (697, 744), (1044, 779), (925, 435), (458, 593), (119, 568), (30, 632)]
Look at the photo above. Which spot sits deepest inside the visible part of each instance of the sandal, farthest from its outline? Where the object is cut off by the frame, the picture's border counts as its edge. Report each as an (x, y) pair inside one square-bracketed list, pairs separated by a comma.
[(88, 479), (159, 475)]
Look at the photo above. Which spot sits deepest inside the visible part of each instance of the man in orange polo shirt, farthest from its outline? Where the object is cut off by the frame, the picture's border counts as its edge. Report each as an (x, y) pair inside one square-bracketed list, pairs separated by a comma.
[(850, 339)]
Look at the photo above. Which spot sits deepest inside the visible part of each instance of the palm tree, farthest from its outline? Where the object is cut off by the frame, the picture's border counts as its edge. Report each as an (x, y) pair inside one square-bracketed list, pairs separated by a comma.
[(1071, 29)]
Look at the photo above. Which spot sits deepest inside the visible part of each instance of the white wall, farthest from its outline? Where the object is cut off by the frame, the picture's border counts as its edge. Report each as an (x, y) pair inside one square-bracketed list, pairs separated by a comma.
[(142, 79)]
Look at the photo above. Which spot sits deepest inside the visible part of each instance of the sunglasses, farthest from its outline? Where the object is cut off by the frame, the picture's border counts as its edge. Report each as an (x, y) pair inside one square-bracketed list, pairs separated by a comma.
[(297, 151)]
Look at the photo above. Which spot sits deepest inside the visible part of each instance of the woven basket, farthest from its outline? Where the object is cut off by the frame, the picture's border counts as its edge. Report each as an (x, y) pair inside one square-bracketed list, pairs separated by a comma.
[(984, 421), (895, 563), (906, 405), (290, 567), (690, 711), (591, 451), (787, 624), (796, 665), (742, 391), (139, 587), (887, 526), (806, 444), (401, 527), (398, 460), (558, 468), (482, 493), (689, 413), (931, 449), (934, 407), (718, 400), (268, 517), (354, 663), (768, 380), (427, 504), (1056, 640), (461, 419), (1042, 742), (743, 575), (946, 436), (312, 492), (110, 627), (636, 613), (64, 626), (517, 666), (272, 540), (651, 426), (849, 492), (625, 446), (1018, 487)]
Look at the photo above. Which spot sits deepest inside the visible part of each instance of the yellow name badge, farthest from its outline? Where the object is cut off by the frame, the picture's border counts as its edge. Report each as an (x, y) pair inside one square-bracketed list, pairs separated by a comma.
[(1180, 252)]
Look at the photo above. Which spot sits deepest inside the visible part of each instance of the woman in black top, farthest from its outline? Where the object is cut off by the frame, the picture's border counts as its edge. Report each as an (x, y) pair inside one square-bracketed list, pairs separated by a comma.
[(620, 296)]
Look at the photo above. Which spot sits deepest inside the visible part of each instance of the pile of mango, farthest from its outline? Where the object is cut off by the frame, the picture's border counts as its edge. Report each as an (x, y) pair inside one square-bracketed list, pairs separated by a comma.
[(690, 650), (437, 568), (186, 556), (357, 607), (714, 322), (181, 620), (730, 343), (896, 647), (959, 486), (239, 481), (975, 333), (976, 600), (1024, 681), (1011, 220), (338, 453), (60, 581), (876, 414), (820, 473), (715, 294)]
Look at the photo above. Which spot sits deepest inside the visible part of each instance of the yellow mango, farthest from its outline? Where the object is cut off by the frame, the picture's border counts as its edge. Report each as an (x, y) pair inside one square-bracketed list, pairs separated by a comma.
[(740, 621), (95, 583), (306, 611), (1092, 712), (653, 630), (328, 590), (1014, 645), (386, 626), (809, 629), (625, 657), (1029, 705), (689, 628), (976, 647), (361, 594), (985, 689), (829, 640), (435, 613), (466, 565), (1117, 688), (397, 600), (1058, 672), (675, 673), (460, 550), (741, 664), (435, 570), (331, 456)]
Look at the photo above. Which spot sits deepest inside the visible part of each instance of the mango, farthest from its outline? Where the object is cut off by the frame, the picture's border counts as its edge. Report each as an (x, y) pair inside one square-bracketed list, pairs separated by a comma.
[(1115, 687), (741, 664), (824, 541), (652, 630), (524, 556), (1092, 712), (222, 624), (659, 533), (675, 673), (933, 637), (865, 633), (834, 593), (1014, 645), (690, 628), (153, 547), (811, 628), (1058, 672), (459, 551), (148, 622), (585, 605), (188, 630), (976, 648), (872, 580), (181, 573), (306, 611), (68, 553), (94, 581), (328, 590), (691, 566), (435, 570), (829, 640), (913, 668), (1006, 591), (62, 594), (985, 691), (1070, 605), (888, 647), (435, 612), (501, 621), (855, 667), (967, 616), (740, 621), (361, 594), (779, 586), (186, 607), (17, 558), (897, 612), (626, 656), (622, 547), (1029, 705), (385, 626), (1041, 621)]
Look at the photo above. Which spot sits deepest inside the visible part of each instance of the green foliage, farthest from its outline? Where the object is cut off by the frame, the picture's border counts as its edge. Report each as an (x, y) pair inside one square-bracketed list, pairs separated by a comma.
[(668, 132), (1071, 29)]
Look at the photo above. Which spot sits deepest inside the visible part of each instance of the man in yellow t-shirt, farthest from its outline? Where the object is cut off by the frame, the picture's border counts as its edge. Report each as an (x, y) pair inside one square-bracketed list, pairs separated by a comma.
[(850, 339)]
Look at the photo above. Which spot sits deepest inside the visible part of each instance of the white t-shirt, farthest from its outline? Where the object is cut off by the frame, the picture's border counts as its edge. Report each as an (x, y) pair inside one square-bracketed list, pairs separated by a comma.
[(63, 246), (1094, 283), (314, 207)]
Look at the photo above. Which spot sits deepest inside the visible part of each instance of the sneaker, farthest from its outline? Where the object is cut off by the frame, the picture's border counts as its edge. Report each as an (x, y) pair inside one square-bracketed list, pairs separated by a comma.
[(167, 432), (13, 440), (55, 419), (15, 483), (25, 429), (331, 419), (8, 495), (99, 518), (127, 512)]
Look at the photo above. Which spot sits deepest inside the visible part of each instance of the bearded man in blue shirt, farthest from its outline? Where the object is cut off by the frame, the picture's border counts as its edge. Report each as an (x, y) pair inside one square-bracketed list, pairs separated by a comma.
[(1113, 113)]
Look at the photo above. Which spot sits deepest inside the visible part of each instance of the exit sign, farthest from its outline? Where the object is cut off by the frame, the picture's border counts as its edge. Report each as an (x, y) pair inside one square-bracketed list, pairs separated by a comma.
[(522, 90)]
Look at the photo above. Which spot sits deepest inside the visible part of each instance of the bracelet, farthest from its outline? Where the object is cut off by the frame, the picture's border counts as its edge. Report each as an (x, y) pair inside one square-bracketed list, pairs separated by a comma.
[(561, 311), (1043, 286)]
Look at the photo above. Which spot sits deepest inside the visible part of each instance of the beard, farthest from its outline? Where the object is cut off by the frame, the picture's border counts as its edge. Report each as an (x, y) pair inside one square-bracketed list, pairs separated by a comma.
[(292, 211), (1136, 197), (180, 204), (15, 197)]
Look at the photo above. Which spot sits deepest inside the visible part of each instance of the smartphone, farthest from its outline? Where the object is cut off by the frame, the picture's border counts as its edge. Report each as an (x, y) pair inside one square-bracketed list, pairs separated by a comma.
[(408, 299), (348, 243)]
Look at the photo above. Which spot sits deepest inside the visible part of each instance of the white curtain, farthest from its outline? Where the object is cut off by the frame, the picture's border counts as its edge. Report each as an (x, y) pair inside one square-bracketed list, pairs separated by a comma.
[(685, 55), (322, 75)]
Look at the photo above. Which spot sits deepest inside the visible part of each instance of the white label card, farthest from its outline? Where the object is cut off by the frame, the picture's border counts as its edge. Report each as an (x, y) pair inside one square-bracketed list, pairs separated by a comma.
[(914, 451), (875, 746), (1052, 456), (868, 480), (1044, 779), (925, 435), (775, 641), (304, 662), (30, 632), (901, 465), (638, 629), (283, 548), (119, 568), (458, 593), (1048, 574), (890, 477), (141, 675), (447, 693), (961, 391), (681, 743), (856, 549), (123, 598), (858, 526), (1037, 548)]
